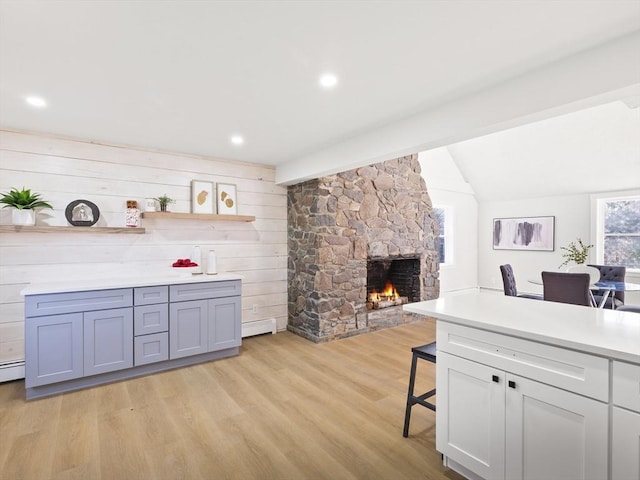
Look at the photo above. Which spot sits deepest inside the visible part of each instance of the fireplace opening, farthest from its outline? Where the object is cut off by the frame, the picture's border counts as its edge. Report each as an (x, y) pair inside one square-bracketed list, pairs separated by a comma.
[(392, 281)]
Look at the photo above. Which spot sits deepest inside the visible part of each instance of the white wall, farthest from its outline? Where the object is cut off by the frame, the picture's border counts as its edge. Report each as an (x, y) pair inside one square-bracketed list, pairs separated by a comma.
[(63, 170), (446, 187)]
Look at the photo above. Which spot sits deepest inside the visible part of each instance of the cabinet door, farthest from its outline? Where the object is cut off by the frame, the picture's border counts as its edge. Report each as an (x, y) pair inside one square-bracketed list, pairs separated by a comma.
[(224, 323), (187, 328), (625, 459), (108, 340), (470, 418), (552, 433), (53, 349)]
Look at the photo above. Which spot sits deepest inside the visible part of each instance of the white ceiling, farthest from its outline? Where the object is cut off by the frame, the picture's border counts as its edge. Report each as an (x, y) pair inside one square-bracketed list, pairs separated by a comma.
[(186, 75), (592, 150)]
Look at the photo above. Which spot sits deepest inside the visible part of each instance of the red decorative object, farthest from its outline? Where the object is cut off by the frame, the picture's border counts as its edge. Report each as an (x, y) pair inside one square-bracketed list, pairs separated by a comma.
[(184, 262)]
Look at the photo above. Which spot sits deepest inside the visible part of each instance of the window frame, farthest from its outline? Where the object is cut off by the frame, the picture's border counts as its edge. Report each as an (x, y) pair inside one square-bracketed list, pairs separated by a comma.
[(447, 234), (597, 220)]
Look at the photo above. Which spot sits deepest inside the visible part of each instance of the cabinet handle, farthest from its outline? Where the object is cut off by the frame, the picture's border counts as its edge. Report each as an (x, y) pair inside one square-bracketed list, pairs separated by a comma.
[(512, 384), (495, 378)]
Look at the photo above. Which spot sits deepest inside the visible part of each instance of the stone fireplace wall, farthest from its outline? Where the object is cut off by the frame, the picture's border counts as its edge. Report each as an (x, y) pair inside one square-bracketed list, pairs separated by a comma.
[(334, 224)]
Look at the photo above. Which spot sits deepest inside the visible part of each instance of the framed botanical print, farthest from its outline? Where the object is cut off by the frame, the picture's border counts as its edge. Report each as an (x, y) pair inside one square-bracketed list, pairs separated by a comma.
[(202, 197), (227, 199)]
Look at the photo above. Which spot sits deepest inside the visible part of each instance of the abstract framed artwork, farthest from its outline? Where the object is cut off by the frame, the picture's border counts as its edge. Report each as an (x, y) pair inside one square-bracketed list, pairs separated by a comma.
[(524, 233), (227, 199), (202, 197)]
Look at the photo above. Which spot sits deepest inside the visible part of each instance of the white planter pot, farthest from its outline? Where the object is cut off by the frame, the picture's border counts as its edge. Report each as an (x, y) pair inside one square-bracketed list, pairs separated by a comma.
[(23, 217)]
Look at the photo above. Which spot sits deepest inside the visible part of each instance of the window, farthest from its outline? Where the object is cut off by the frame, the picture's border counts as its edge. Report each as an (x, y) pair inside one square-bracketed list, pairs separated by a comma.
[(618, 231), (444, 218)]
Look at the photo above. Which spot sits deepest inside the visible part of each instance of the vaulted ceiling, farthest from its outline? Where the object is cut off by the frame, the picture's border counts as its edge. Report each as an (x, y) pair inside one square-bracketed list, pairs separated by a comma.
[(187, 75), (589, 151)]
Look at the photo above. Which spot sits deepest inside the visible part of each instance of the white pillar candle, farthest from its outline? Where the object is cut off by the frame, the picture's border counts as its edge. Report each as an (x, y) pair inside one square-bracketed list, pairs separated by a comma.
[(212, 263)]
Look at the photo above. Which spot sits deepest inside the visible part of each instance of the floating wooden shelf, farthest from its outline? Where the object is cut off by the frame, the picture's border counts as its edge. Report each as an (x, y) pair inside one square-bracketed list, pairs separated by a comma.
[(49, 229), (199, 216)]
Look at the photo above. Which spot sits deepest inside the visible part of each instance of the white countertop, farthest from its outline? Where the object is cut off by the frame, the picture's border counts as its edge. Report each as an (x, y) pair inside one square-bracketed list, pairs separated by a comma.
[(125, 281), (604, 332)]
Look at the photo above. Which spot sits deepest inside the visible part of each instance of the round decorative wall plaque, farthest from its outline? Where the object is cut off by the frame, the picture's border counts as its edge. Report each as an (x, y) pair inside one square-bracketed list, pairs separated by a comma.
[(82, 213)]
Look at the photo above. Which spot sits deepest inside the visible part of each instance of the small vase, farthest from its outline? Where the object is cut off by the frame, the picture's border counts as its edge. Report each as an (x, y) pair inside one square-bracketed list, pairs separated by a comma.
[(23, 217), (163, 207)]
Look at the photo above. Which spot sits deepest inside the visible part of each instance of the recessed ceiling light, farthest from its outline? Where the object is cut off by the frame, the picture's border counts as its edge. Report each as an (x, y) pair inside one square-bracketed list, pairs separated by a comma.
[(237, 140), (328, 80), (36, 102)]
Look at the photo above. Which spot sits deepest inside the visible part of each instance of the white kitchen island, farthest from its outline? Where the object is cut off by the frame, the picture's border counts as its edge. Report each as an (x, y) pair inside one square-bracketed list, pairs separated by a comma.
[(528, 389)]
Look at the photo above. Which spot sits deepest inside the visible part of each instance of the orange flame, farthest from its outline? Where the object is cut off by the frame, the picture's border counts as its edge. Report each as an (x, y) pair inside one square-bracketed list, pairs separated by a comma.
[(389, 293)]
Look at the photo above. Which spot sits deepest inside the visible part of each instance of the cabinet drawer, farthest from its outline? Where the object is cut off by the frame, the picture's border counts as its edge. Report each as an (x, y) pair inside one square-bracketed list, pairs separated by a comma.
[(626, 385), (574, 371), (151, 348), (202, 291), (150, 319), (57, 303), (151, 295)]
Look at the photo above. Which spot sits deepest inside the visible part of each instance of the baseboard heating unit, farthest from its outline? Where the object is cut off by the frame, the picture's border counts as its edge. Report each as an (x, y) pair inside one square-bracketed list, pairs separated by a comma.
[(259, 327)]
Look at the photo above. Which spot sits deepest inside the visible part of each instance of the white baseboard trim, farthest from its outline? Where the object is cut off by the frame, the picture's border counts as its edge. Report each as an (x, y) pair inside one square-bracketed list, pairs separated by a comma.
[(259, 327), (11, 371)]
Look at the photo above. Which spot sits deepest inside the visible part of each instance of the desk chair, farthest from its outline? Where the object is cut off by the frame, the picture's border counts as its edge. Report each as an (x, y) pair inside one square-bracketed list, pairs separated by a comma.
[(425, 352), (567, 288)]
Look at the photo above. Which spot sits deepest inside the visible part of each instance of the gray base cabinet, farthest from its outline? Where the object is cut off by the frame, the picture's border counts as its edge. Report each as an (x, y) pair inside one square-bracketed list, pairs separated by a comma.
[(79, 339), (200, 326)]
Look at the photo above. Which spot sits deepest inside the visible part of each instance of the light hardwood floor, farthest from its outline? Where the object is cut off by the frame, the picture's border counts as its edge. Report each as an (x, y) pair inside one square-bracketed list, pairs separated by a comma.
[(285, 408)]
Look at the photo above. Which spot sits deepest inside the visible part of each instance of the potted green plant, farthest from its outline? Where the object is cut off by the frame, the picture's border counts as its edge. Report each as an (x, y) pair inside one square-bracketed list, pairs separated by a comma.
[(575, 253), (164, 201), (24, 204)]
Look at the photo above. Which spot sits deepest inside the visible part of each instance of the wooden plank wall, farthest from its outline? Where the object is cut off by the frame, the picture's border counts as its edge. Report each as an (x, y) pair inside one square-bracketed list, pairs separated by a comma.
[(63, 170)]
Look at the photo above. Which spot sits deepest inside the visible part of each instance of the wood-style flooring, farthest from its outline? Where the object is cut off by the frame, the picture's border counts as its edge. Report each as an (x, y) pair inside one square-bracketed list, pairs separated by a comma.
[(285, 408)]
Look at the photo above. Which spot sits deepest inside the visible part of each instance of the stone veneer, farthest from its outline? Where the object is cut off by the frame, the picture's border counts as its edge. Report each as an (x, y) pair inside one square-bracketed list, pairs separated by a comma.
[(334, 224)]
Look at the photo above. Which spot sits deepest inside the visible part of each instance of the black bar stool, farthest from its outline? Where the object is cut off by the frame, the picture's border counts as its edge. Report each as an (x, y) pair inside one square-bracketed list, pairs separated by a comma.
[(425, 352)]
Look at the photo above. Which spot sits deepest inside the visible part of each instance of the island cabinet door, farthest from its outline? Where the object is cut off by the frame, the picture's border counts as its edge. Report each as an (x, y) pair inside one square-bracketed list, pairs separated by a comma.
[(187, 328), (53, 349), (224, 323), (470, 416), (625, 460), (552, 433), (108, 340)]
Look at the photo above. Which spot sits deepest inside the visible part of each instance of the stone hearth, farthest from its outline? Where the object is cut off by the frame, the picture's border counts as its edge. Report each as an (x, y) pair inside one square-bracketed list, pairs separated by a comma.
[(339, 222)]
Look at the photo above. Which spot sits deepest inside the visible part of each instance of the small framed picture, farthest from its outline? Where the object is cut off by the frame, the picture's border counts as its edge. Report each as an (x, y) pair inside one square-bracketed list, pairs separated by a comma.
[(202, 197), (82, 213), (227, 199), (150, 205)]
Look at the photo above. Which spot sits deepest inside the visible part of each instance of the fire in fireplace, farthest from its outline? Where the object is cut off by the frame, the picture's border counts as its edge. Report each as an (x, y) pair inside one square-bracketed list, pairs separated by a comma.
[(392, 281), (387, 298)]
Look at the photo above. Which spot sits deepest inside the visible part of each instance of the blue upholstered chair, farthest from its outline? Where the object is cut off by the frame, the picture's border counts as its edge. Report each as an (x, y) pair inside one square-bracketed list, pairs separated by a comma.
[(629, 308), (567, 288), (509, 284), (610, 273)]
